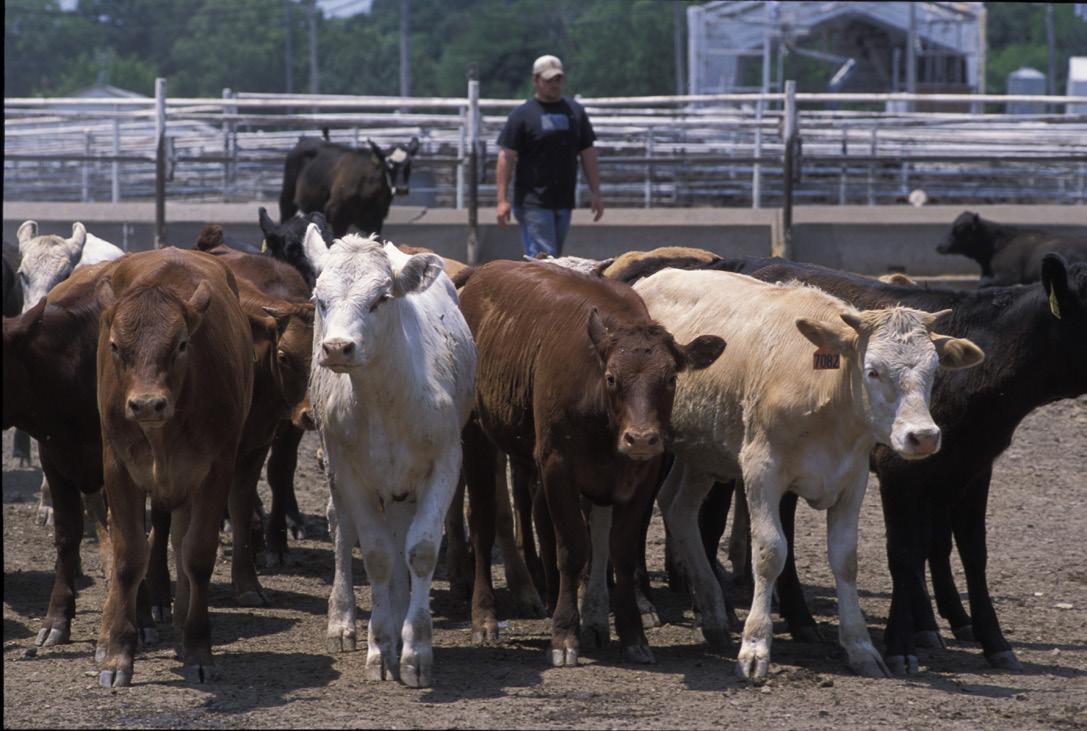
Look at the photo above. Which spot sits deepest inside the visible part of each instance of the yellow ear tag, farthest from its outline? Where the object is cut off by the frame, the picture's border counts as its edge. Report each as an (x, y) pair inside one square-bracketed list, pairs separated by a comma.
[(263, 245), (1053, 306), (826, 360)]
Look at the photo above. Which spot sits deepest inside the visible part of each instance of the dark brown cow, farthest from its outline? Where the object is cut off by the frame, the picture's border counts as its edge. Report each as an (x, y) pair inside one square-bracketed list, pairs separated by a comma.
[(175, 381), (282, 281), (576, 378)]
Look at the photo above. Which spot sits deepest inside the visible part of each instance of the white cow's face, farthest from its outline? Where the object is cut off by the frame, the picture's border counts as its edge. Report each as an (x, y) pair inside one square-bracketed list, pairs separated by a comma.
[(46, 261), (897, 356), (357, 300)]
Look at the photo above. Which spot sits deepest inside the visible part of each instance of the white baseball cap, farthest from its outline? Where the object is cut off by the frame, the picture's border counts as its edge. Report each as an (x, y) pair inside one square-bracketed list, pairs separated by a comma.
[(547, 67)]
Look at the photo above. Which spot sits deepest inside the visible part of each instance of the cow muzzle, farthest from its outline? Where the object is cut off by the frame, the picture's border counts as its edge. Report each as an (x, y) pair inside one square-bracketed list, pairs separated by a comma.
[(920, 443), (641, 444), (338, 354), (149, 409)]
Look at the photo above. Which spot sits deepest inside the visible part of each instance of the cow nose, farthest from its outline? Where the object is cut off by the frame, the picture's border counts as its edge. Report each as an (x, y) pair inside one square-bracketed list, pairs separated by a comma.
[(642, 441), (148, 407), (338, 347), (305, 420), (924, 441)]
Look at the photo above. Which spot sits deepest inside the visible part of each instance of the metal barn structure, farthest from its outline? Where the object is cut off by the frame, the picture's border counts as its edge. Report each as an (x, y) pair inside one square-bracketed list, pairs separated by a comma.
[(917, 47)]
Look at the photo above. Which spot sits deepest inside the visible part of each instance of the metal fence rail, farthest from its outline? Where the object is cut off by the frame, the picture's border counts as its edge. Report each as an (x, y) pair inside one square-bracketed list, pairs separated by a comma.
[(718, 150)]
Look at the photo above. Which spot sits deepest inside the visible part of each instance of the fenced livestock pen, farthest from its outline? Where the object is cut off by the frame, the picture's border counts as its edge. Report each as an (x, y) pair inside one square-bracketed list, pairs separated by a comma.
[(723, 150)]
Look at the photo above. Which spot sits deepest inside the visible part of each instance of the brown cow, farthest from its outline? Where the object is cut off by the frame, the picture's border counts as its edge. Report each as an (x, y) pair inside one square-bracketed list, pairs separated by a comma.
[(175, 381), (575, 377)]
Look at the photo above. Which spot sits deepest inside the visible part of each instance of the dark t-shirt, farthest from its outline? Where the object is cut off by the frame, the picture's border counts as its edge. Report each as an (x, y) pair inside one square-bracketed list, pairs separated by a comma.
[(547, 137)]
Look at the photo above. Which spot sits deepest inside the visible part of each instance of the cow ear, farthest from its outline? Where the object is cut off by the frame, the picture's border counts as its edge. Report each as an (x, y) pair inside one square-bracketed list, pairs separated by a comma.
[(27, 231), (699, 353), (281, 315), (197, 307), (1055, 282), (956, 353), (103, 292), (376, 149), (265, 331), (929, 318), (829, 336), (314, 247), (418, 273), (599, 335), (79, 236), (413, 146), (266, 224)]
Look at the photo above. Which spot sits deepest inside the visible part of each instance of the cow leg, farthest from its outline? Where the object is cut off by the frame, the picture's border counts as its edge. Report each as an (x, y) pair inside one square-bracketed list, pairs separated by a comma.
[(571, 540), (968, 523), (379, 554), (927, 633), (680, 499), (907, 518), (44, 515), (458, 562), (340, 635), (646, 609), (242, 502), (842, 519), (593, 598), (20, 447), (791, 604), (480, 458), (526, 599), (712, 517), (282, 461), (625, 550), (117, 642), (525, 487), (739, 541), (545, 529), (94, 507), (67, 534), (423, 538), (158, 569)]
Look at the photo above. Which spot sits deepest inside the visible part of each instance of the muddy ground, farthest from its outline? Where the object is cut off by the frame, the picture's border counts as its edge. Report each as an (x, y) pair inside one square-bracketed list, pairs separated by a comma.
[(274, 670)]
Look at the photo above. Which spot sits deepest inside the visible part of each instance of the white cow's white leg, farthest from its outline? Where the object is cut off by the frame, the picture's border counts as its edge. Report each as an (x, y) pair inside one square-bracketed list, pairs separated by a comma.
[(842, 520), (768, 552), (341, 601), (424, 538), (399, 516), (594, 603), (685, 492)]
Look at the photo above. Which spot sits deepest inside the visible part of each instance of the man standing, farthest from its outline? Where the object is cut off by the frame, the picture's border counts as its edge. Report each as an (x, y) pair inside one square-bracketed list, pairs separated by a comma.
[(543, 138)]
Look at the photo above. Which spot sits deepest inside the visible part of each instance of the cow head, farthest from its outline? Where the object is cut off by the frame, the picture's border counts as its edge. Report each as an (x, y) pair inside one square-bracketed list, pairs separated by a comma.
[(144, 340), (46, 260), (285, 241), (638, 368), (1065, 288), (358, 295), (284, 336), (397, 164), (894, 354), (968, 237)]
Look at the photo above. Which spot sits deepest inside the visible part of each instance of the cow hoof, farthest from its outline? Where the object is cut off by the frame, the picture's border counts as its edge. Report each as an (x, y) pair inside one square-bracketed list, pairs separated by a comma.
[(1005, 660), (376, 669), (964, 633), (198, 673), (640, 654), (717, 638), (875, 667), (147, 636), (413, 675), (928, 639), (901, 665), (564, 657), (44, 516), (650, 619), (252, 598), (806, 633), (753, 669), (48, 637), (486, 634), (115, 678), (341, 641), (160, 612), (594, 636)]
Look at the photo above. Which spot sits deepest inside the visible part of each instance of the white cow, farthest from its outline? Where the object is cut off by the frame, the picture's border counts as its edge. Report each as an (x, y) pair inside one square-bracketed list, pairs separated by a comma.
[(393, 390), (785, 416), (47, 260)]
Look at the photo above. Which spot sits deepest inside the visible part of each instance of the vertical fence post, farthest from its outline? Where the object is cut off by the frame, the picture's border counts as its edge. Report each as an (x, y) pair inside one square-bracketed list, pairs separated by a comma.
[(788, 172), (473, 164), (85, 192), (649, 168), (461, 162), (872, 148), (756, 169), (844, 169), (227, 94), (160, 162), (115, 166)]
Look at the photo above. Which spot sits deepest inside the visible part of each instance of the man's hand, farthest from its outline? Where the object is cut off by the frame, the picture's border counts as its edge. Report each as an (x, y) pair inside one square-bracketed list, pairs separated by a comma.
[(597, 204), (502, 212)]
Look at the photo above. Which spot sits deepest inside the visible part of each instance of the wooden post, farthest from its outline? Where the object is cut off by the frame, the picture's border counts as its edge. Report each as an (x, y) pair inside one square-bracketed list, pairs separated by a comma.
[(788, 172), (473, 165), (160, 162), (115, 167)]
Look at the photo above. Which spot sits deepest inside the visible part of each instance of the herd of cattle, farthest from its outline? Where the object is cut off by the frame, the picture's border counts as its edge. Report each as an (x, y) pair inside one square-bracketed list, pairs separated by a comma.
[(673, 375)]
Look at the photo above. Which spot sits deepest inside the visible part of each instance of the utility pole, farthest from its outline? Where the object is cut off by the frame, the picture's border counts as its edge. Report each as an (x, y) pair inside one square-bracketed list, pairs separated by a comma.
[(405, 48), (288, 50), (314, 87), (677, 42), (1051, 41)]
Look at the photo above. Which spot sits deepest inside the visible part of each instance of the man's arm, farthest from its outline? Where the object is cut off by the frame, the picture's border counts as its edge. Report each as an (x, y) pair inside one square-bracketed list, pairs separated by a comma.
[(507, 159), (592, 174)]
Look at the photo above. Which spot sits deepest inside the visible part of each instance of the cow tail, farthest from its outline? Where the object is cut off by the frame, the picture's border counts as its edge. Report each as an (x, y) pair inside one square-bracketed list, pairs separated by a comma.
[(461, 277)]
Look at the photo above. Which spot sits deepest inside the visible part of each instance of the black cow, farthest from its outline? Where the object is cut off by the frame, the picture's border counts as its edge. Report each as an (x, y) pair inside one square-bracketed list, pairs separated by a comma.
[(283, 241), (13, 305), (1009, 254), (1035, 353), (349, 185)]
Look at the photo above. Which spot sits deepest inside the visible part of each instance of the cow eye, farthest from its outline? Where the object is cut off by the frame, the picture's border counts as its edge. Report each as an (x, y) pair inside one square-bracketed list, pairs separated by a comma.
[(183, 346), (24, 278), (672, 381), (609, 378), (383, 298), (114, 349), (281, 356), (873, 374), (320, 304)]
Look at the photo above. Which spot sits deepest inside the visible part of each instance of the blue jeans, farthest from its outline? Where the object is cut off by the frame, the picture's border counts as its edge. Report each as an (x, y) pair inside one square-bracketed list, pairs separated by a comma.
[(543, 229)]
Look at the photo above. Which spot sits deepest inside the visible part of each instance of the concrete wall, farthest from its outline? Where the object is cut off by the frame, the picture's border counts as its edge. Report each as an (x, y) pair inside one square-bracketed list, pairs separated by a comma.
[(866, 239)]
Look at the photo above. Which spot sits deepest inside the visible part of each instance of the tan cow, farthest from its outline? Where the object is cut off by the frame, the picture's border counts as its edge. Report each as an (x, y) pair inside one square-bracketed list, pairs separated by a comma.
[(806, 388)]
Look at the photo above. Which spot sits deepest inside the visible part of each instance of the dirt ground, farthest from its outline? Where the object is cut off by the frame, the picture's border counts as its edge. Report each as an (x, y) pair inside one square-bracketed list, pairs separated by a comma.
[(274, 670)]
